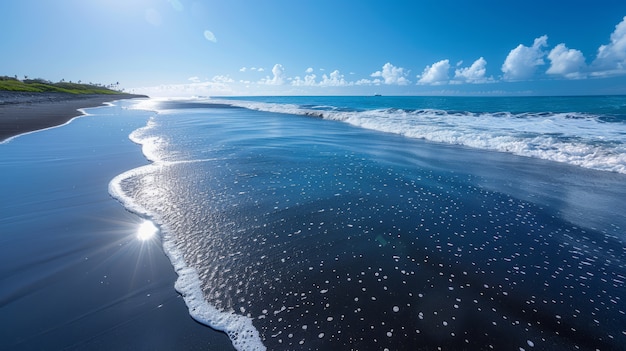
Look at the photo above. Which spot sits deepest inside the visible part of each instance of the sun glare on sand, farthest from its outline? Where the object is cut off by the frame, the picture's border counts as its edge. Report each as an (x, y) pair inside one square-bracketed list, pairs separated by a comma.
[(146, 230)]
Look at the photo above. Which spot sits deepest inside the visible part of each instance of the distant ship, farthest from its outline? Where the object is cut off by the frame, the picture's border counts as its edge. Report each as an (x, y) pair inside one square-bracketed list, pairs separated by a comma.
[(377, 95)]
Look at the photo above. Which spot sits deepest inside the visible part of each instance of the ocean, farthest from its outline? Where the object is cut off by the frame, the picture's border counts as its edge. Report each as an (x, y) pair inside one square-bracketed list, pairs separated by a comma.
[(391, 223)]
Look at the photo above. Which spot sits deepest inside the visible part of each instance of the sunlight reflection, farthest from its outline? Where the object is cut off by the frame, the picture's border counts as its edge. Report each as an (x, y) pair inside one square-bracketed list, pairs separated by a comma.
[(146, 230)]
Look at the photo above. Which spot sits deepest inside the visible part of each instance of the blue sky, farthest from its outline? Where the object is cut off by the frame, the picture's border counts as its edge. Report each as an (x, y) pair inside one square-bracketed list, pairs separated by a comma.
[(321, 47)]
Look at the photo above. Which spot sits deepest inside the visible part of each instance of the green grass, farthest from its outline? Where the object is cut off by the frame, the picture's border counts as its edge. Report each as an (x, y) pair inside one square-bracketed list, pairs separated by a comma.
[(43, 86)]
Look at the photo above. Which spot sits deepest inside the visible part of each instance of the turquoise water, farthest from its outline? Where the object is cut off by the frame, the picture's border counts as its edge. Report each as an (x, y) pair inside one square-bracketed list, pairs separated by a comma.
[(588, 132), (377, 223), (609, 105)]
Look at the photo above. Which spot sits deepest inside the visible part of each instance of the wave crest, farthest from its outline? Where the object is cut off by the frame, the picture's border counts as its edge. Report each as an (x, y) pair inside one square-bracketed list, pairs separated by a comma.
[(580, 139)]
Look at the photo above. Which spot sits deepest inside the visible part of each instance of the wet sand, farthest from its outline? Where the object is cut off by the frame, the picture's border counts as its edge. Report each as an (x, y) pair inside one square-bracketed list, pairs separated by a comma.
[(26, 112), (74, 275)]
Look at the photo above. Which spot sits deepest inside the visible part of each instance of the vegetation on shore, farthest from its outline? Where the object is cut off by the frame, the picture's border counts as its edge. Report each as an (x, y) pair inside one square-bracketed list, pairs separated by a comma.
[(39, 85)]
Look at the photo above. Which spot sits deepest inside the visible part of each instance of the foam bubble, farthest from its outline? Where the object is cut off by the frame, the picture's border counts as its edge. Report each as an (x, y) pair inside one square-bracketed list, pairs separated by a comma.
[(241, 331), (574, 138)]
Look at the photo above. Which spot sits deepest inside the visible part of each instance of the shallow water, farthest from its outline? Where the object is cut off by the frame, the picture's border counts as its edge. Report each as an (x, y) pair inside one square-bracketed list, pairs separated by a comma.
[(312, 234), (74, 276)]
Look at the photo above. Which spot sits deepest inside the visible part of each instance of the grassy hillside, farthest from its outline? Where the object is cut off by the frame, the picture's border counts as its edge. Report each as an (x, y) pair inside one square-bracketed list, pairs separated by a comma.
[(41, 86)]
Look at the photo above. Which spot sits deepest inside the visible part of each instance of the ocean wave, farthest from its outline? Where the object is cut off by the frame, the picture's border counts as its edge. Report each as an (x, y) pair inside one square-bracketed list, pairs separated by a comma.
[(252, 235), (244, 336), (580, 139)]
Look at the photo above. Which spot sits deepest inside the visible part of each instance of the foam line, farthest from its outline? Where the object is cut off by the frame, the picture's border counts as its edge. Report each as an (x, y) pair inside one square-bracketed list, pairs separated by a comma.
[(241, 331), (575, 138)]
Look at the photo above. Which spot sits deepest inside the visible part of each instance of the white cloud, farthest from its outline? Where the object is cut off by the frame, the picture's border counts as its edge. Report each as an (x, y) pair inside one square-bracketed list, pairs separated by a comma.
[(522, 61), (611, 59), (568, 63), (474, 73), (335, 79), (369, 82), (309, 70), (222, 79), (189, 89), (278, 76), (392, 75), (251, 69), (208, 35), (435, 74), (194, 79), (309, 80)]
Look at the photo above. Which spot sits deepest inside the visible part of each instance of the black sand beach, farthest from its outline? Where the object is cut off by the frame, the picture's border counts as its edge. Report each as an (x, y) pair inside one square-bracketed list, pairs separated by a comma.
[(73, 274), (22, 112), (353, 239)]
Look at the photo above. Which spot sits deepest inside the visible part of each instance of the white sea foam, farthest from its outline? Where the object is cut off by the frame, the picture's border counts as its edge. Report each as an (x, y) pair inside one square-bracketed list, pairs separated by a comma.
[(574, 138), (282, 315), (242, 333), (150, 145)]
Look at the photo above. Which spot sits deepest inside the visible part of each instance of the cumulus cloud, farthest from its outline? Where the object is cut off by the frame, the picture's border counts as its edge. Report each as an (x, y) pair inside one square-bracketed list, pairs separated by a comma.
[(208, 35), (568, 63), (278, 76), (252, 69), (222, 79), (309, 80), (522, 61), (194, 79), (476, 73), (369, 82), (335, 79), (611, 59), (435, 74), (392, 75)]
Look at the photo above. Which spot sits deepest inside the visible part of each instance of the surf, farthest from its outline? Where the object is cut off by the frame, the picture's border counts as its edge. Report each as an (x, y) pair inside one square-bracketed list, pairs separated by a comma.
[(584, 139)]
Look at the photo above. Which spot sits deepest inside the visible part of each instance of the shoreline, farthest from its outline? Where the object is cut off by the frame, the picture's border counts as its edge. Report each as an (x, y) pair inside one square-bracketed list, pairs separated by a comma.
[(75, 275), (24, 112)]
